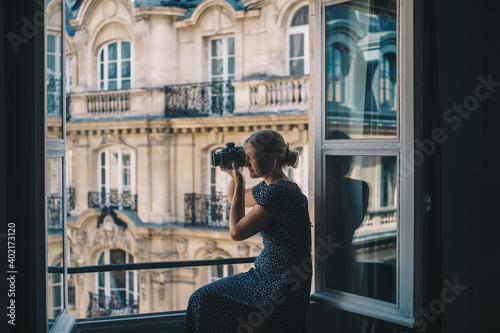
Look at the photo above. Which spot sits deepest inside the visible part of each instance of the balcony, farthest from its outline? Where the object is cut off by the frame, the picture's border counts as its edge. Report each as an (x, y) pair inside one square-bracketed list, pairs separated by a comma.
[(113, 199), (116, 103), (205, 210), (199, 99), (54, 208), (290, 93), (103, 306)]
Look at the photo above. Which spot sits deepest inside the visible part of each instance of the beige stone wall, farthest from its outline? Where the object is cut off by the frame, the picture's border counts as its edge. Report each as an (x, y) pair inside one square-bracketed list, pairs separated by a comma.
[(171, 156)]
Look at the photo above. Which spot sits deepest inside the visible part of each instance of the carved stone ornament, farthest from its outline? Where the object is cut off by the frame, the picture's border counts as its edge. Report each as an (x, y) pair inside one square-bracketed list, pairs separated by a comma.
[(111, 235)]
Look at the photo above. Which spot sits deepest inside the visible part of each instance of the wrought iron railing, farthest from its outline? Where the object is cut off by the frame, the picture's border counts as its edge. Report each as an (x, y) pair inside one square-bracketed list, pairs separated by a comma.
[(199, 99), (54, 105), (54, 208), (206, 210), (113, 199), (101, 306)]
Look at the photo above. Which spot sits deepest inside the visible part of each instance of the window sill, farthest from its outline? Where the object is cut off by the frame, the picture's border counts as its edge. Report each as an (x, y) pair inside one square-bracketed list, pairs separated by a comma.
[(364, 306)]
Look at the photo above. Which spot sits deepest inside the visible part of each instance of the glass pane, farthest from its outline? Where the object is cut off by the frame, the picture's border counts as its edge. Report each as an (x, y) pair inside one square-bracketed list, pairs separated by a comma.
[(125, 69), (354, 102), (51, 43), (361, 216), (54, 223), (112, 70), (230, 66), (230, 46), (113, 169), (297, 67), (217, 67), (126, 84), (55, 295), (112, 85), (301, 17), (217, 48), (296, 45), (54, 88), (145, 293), (112, 51), (125, 50)]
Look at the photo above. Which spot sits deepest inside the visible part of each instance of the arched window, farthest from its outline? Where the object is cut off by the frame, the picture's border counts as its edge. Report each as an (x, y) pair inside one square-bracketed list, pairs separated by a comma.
[(117, 290), (218, 272), (337, 68), (116, 173), (388, 80), (298, 43), (115, 66)]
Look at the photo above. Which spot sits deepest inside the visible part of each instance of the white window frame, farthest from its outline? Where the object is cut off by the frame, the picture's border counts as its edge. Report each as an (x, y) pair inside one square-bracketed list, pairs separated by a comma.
[(225, 58), (402, 146), (225, 273), (120, 187), (107, 276), (300, 29), (104, 49)]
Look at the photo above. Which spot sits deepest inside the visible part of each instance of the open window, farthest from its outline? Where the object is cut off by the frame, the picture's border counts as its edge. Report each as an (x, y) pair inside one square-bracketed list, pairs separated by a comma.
[(363, 158)]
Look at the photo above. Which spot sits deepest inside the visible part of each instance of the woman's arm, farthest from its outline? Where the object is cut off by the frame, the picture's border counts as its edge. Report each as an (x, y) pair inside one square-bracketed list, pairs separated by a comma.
[(243, 226), (249, 199)]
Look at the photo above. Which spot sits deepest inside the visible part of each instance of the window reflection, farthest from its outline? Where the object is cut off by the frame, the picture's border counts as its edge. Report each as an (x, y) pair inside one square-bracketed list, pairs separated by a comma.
[(361, 216), (360, 61)]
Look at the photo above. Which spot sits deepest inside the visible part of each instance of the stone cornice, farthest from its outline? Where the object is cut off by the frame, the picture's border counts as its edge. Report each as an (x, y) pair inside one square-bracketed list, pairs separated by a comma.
[(235, 123), (147, 13)]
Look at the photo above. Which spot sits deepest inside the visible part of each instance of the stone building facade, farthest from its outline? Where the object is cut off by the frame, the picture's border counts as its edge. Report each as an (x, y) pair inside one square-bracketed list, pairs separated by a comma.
[(155, 88)]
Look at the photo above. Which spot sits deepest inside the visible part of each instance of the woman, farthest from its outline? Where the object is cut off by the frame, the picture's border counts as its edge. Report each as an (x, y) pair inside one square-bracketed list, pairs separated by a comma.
[(274, 295)]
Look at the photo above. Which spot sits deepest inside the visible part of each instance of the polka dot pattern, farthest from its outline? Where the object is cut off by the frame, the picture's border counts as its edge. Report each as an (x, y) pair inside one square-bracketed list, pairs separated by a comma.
[(275, 293)]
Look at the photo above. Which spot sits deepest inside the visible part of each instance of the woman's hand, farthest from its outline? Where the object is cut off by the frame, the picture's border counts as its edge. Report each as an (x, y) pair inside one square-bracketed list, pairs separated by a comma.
[(236, 174)]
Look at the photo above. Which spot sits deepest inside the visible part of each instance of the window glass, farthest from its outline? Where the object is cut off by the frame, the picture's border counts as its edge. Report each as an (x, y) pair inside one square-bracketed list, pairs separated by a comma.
[(301, 17), (112, 53), (361, 217), (360, 86), (296, 45)]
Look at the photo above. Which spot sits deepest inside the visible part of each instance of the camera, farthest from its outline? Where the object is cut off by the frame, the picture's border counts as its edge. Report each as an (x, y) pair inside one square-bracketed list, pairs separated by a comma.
[(228, 155)]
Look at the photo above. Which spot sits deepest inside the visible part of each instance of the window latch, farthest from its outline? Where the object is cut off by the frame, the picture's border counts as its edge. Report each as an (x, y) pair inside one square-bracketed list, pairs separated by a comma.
[(427, 203)]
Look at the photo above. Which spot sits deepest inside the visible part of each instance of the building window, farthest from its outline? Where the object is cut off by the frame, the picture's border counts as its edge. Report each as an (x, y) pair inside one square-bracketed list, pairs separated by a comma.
[(222, 59), (54, 57), (69, 75), (117, 290), (115, 66), (218, 272), (298, 43), (218, 206), (388, 80), (364, 177), (116, 173), (337, 68)]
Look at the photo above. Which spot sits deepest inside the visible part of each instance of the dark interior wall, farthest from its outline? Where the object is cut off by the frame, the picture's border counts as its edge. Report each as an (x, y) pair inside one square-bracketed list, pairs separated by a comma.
[(23, 162), (466, 35)]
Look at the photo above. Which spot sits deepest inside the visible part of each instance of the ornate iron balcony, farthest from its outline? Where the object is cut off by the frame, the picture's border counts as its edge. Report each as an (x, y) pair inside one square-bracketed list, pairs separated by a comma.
[(113, 199), (199, 99), (54, 106), (101, 306), (54, 208), (206, 210)]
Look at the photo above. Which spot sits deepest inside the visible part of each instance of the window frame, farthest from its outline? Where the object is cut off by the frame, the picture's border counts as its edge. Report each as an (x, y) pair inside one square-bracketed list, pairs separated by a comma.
[(106, 253), (299, 29), (120, 168), (104, 50), (402, 145), (225, 59)]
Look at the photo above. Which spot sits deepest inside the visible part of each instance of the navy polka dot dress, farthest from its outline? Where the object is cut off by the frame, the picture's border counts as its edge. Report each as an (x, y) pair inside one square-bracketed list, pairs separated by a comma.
[(275, 293)]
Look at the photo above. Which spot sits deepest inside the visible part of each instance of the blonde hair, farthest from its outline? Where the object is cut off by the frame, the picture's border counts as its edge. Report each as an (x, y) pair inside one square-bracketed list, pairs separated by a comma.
[(271, 143)]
